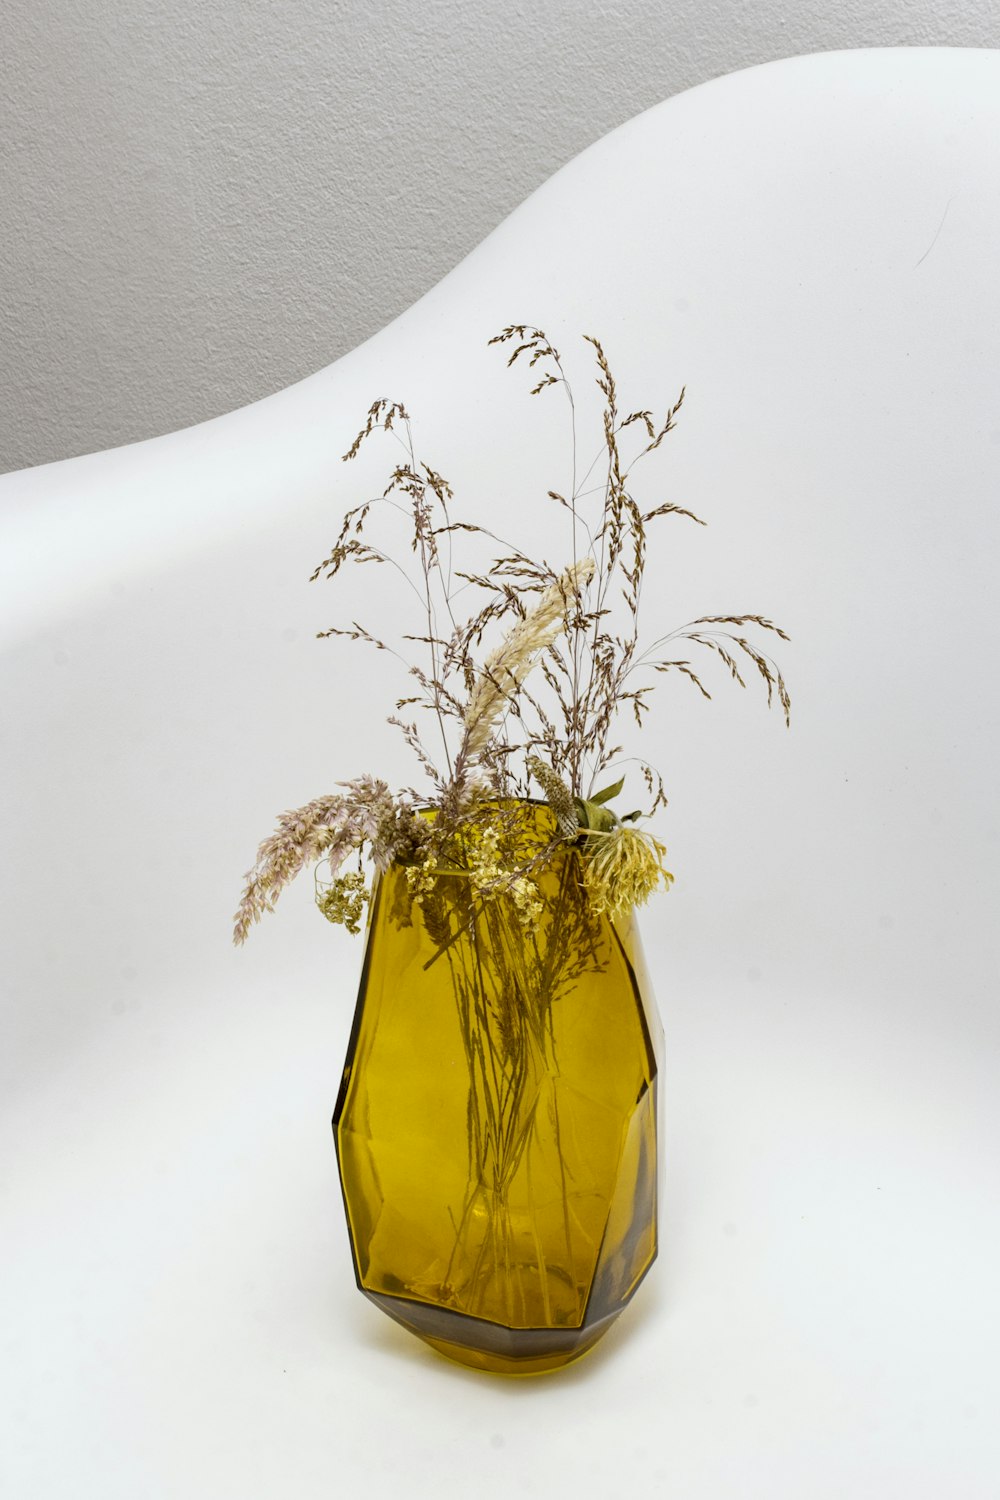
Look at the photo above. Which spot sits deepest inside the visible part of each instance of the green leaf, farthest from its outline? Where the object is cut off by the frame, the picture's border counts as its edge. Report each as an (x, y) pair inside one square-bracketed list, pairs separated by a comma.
[(591, 816), (608, 793), (582, 812)]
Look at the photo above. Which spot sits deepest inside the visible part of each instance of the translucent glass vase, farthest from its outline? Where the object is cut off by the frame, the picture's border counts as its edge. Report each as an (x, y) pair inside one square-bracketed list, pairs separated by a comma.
[(496, 1123)]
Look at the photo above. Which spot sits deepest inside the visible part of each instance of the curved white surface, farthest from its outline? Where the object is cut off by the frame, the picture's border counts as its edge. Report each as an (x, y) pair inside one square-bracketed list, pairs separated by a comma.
[(811, 247)]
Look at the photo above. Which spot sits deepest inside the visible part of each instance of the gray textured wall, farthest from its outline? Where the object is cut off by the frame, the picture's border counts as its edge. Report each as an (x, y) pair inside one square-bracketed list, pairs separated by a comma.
[(205, 200)]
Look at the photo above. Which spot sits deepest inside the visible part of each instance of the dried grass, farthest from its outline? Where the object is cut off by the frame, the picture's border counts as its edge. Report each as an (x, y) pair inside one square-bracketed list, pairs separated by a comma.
[(547, 701)]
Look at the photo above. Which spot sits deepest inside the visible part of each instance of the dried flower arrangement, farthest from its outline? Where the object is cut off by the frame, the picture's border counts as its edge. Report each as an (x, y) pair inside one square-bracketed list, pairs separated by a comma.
[(541, 708), (496, 1122)]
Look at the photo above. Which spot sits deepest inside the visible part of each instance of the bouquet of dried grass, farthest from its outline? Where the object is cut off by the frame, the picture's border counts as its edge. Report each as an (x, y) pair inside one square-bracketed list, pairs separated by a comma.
[(538, 711)]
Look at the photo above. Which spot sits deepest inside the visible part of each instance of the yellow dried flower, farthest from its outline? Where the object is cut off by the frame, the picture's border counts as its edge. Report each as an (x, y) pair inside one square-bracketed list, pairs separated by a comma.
[(344, 900), (527, 901), (623, 867), (482, 853), (420, 877)]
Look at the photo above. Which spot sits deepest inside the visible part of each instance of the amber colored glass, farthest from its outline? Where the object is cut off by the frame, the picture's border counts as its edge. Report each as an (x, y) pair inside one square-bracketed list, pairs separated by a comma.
[(496, 1123)]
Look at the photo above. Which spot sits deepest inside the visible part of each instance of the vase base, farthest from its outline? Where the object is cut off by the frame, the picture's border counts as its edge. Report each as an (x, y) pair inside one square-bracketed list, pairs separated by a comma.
[(524, 1365), (490, 1347)]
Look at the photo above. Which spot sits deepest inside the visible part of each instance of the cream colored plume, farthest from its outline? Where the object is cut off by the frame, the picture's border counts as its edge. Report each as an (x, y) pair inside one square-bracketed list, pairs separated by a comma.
[(509, 665)]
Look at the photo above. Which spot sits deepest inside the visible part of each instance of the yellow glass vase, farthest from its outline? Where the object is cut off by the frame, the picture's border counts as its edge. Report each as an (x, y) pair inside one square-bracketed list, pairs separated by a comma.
[(496, 1124)]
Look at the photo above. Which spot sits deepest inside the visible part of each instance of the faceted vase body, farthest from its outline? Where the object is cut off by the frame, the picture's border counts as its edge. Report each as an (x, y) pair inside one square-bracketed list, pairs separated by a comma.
[(496, 1123)]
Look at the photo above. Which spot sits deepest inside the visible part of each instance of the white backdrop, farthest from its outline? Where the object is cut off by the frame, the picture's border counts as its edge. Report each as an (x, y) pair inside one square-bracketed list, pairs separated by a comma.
[(810, 247)]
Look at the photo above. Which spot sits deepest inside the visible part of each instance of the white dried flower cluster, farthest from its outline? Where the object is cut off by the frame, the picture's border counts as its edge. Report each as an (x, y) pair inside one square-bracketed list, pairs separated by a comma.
[(421, 877), (486, 872), (490, 878)]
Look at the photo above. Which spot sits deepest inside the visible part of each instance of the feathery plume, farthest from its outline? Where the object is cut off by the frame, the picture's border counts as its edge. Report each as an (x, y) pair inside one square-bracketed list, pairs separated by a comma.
[(330, 826), (508, 666)]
